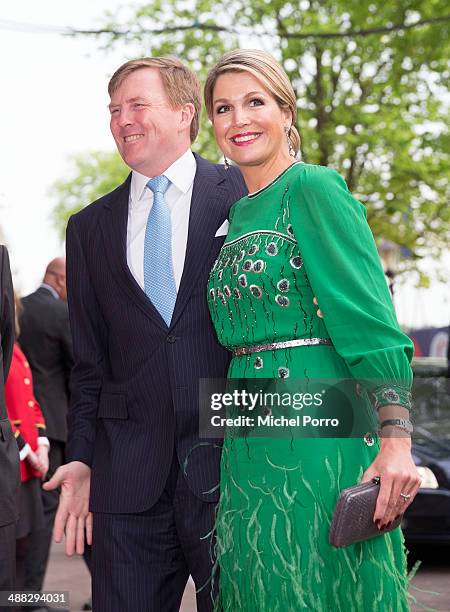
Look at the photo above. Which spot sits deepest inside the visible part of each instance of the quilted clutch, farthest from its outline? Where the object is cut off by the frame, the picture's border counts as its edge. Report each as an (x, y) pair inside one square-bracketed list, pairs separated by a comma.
[(353, 516)]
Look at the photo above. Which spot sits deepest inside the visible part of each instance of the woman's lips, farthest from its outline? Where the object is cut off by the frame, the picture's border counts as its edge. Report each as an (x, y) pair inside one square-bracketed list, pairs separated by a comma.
[(243, 140)]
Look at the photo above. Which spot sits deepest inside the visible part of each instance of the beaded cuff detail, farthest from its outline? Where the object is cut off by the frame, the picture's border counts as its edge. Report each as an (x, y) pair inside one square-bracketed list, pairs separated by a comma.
[(384, 396)]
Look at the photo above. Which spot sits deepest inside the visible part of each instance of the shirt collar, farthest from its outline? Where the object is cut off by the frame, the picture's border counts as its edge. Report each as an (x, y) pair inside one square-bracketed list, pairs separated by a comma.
[(181, 174), (52, 291)]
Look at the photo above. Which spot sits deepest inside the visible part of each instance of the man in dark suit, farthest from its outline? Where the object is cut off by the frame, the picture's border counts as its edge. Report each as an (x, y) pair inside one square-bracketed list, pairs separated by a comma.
[(9, 451), (46, 341), (138, 261)]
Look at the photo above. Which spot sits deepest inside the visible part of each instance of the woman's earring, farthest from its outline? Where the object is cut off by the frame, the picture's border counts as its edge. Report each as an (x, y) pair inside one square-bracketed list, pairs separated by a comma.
[(287, 131), (226, 163)]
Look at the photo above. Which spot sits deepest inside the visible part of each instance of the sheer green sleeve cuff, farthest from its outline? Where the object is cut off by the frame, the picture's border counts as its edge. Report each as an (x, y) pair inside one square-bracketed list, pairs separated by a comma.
[(389, 395)]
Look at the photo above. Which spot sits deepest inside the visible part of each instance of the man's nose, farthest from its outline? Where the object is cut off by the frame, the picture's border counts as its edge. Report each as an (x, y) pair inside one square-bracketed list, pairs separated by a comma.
[(124, 118)]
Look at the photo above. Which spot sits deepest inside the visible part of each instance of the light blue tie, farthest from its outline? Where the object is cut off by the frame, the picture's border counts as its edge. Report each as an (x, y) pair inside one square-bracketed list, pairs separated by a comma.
[(159, 281)]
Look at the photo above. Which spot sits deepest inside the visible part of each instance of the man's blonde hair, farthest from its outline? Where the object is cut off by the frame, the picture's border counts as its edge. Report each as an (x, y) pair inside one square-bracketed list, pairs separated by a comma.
[(268, 71), (180, 83)]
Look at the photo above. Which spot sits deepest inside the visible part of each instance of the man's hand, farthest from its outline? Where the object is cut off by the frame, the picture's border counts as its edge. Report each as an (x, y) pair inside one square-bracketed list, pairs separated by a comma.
[(73, 516)]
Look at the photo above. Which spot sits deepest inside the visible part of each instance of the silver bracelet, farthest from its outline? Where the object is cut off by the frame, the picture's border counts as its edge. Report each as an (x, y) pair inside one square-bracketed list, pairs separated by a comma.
[(403, 424)]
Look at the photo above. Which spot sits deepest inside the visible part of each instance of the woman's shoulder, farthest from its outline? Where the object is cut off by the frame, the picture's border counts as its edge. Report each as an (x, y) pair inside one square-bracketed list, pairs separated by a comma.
[(324, 187), (324, 183), (18, 353), (319, 177), (17, 360)]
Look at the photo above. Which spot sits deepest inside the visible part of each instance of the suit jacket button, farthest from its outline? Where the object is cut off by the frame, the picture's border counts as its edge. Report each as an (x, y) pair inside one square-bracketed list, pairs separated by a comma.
[(171, 338)]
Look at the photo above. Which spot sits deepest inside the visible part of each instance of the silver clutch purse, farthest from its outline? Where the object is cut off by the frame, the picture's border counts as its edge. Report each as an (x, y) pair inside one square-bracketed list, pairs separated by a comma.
[(353, 516)]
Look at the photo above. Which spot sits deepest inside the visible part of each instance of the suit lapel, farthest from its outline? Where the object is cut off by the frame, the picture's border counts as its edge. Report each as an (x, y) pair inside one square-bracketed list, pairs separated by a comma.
[(208, 210), (114, 229)]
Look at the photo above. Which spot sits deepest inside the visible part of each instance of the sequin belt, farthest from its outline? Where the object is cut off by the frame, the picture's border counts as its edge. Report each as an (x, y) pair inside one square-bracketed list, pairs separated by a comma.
[(273, 346)]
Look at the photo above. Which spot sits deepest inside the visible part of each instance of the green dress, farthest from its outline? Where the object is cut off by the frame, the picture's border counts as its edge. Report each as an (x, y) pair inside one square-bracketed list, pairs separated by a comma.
[(304, 235)]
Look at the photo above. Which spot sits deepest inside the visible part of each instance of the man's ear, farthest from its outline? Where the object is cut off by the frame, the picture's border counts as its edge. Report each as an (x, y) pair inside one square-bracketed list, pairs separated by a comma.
[(187, 115), (60, 281)]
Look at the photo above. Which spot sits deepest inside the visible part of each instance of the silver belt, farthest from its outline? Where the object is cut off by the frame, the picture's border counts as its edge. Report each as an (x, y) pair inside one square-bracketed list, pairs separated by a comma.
[(247, 350)]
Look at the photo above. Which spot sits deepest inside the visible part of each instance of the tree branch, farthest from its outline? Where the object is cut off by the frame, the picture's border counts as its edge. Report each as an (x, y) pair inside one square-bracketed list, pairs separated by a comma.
[(6, 24)]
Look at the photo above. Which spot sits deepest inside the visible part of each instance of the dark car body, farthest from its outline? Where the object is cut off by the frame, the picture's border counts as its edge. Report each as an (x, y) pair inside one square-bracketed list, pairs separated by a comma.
[(427, 520)]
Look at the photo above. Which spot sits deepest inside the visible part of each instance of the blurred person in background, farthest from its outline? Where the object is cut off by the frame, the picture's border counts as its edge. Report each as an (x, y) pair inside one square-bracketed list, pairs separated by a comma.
[(9, 455), (46, 341), (29, 429)]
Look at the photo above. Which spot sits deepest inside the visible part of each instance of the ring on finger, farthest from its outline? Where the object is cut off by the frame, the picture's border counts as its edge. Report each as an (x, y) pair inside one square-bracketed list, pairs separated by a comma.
[(405, 496)]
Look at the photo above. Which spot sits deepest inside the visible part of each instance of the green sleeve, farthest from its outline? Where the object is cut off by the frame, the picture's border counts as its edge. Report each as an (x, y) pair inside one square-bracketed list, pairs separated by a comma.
[(343, 266)]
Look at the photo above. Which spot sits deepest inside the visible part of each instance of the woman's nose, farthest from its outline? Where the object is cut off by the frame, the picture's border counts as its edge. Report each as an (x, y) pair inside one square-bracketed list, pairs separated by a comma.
[(240, 117)]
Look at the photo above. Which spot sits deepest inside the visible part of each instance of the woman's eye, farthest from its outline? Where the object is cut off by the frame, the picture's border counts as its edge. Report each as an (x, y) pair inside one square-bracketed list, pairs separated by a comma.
[(222, 109), (256, 102)]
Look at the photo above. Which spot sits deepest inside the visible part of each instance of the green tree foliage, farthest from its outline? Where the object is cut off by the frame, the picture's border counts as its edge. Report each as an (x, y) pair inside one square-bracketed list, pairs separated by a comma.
[(370, 77), (93, 174), (370, 104)]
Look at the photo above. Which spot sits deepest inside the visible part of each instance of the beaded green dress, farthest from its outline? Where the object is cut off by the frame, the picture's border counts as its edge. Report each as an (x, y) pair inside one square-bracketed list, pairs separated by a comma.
[(304, 235)]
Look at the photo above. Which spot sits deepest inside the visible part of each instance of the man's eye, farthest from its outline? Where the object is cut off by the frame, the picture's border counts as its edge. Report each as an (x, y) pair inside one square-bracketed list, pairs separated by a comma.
[(114, 111), (256, 102)]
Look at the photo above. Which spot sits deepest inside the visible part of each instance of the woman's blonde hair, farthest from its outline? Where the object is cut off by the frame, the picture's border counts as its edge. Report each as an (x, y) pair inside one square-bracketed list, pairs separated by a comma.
[(268, 71), (18, 309)]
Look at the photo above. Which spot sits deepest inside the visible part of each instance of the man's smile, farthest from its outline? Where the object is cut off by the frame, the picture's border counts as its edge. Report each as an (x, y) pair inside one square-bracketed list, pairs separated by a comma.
[(133, 137)]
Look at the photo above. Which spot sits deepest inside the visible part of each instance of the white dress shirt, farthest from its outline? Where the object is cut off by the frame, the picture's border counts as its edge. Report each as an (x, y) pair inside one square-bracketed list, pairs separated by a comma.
[(178, 199)]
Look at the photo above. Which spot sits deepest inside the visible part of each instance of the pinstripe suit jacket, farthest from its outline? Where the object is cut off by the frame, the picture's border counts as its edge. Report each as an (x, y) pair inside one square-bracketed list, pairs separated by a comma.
[(135, 381)]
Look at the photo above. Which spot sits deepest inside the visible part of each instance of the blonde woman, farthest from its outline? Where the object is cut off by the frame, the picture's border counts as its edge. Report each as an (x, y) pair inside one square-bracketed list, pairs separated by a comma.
[(299, 234)]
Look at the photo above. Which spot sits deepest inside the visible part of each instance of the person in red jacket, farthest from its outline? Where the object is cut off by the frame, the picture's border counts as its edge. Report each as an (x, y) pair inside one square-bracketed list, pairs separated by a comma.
[(28, 425)]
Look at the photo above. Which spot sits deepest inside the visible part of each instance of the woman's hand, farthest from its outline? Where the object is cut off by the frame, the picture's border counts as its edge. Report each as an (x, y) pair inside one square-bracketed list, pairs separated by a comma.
[(398, 475), (42, 456), (319, 312), (39, 459), (33, 460)]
